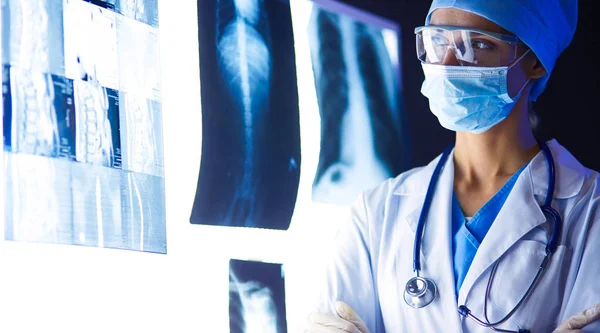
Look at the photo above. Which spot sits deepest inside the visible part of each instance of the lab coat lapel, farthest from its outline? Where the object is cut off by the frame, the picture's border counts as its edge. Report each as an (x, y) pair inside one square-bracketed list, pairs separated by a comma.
[(519, 215), (436, 243)]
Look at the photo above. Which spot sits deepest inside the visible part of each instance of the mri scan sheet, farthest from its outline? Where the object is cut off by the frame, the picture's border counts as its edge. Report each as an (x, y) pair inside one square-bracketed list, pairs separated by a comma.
[(32, 35), (141, 135), (138, 58), (145, 11), (90, 43), (39, 113), (82, 144)]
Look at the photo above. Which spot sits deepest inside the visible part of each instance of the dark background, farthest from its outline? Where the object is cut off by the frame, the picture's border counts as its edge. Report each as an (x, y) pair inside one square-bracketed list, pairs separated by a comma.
[(569, 106)]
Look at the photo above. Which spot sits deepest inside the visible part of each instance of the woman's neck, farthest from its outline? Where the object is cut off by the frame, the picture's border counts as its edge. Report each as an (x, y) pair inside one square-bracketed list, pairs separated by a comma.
[(497, 153), (483, 163)]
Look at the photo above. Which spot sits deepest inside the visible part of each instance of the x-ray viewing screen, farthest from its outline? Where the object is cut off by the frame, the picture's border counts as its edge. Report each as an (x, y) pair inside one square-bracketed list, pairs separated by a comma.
[(355, 67), (83, 158), (250, 165), (256, 297)]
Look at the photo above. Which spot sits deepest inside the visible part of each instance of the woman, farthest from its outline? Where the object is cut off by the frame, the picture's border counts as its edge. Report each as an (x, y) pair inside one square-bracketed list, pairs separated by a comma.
[(495, 209)]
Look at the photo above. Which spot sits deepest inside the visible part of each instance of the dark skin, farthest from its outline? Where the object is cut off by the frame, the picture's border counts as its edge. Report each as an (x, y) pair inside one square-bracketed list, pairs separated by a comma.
[(484, 162)]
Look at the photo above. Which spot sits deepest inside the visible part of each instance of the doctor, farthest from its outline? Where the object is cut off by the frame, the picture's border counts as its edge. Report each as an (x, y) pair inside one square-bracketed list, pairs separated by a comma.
[(501, 231)]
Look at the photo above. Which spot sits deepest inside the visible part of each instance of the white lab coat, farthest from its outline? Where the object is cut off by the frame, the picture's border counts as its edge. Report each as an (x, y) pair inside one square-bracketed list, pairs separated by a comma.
[(374, 252)]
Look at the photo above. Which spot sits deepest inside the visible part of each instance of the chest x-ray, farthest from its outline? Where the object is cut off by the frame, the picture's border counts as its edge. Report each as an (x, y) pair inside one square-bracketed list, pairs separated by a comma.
[(362, 142), (250, 165), (256, 297)]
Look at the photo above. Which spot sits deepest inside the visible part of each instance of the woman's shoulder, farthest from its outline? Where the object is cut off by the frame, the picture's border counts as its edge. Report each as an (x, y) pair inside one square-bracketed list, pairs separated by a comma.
[(410, 183)]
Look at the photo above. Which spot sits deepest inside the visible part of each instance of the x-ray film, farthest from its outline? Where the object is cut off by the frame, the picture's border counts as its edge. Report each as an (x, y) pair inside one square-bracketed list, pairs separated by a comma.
[(145, 11), (38, 205), (66, 136), (143, 212), (141, 134), (250, 165), (38, 113), (90, 43), (362, 136), (97, 130), (96, 206), (138, 58), (256, 297), (32, 35)]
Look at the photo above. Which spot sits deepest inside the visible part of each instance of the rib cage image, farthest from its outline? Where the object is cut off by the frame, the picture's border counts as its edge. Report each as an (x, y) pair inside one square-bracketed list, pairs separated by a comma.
[(360, 134)]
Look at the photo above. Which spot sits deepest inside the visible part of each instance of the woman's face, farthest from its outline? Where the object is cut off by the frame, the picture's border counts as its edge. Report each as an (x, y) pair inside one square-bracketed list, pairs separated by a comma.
[(460, 18)]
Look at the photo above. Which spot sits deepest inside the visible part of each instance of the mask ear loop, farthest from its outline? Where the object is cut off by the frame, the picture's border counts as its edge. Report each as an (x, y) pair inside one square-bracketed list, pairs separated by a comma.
[(526, 82)]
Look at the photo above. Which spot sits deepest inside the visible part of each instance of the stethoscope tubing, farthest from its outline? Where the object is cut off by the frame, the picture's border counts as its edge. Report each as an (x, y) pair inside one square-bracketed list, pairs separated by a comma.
[(550, 246)]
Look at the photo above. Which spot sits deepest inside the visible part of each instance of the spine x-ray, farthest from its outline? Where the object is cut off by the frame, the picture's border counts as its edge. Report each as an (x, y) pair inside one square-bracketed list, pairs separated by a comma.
[(250, 165), (84, 159), (39, 113), (362, 141), (256, 297)]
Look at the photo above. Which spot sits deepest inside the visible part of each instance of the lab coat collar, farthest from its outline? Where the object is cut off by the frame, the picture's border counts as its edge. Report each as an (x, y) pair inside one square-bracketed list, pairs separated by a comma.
[(416, 184), (522, 212), (569, 174)]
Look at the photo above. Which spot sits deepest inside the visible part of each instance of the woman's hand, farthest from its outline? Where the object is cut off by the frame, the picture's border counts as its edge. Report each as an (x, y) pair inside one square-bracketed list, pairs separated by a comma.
[(347, 322), (575, 323)]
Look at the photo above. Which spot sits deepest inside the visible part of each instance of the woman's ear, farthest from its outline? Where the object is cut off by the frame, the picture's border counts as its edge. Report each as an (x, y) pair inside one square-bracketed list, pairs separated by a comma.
[(535, 69)]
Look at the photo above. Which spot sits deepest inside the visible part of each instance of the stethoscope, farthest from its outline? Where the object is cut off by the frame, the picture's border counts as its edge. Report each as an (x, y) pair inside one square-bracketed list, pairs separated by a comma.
[(420, 292)]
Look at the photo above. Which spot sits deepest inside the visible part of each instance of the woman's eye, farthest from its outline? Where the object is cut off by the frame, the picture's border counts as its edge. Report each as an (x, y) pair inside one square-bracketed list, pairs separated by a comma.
[(481, 45)]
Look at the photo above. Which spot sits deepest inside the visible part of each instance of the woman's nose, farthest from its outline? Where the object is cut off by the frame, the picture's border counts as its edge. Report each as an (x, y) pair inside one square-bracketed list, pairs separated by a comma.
[(450, 58)]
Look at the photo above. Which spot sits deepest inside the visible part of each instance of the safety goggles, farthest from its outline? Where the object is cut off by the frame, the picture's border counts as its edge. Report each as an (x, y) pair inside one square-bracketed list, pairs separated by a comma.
[(471, 47)]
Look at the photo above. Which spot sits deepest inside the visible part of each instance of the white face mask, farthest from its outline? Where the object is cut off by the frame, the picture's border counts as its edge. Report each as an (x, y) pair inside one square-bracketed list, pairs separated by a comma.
[(469, 98)]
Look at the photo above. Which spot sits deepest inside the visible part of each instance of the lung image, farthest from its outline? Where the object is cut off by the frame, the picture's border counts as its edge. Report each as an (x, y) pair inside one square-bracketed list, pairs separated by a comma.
[(362, 141), (256, 297), (250, 165)]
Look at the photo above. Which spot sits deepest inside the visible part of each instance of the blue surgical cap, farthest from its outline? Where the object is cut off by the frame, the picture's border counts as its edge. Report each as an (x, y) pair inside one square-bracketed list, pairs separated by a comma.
[(546, 26)]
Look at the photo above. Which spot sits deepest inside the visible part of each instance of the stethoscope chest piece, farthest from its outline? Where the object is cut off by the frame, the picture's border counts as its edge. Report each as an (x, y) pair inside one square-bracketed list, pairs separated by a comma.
[(419, 292)]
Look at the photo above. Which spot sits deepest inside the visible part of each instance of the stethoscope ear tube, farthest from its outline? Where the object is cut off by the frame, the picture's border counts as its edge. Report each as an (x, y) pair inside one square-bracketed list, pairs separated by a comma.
[(546, 207)]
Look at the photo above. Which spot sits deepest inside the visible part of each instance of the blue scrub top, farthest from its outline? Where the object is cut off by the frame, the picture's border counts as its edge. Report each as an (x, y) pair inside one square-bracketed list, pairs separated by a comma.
[(469, 233)]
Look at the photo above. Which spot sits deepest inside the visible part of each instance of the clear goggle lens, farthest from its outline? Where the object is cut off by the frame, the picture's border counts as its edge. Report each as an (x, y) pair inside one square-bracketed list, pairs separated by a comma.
[(470, 47)]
